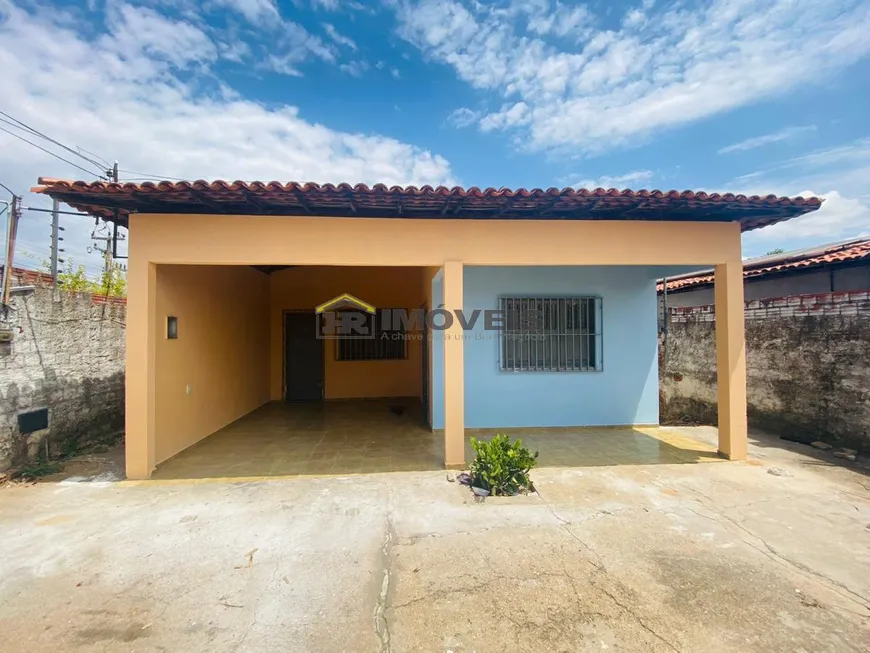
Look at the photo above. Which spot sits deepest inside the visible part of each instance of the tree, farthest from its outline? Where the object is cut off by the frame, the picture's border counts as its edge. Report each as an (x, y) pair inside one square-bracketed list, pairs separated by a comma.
[(72, 277), (112, 282), (778, 250)]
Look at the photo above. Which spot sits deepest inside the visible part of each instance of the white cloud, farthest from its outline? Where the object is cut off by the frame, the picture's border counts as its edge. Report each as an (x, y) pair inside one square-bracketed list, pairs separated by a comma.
[(616, 88), (138, 108), (512, 115), (256, 11), (838, 174), (767, 139), (619, 181), (354, 68), (265, 40), (463, 117), (339, 38), (142, 32), (634, 18), (839, 218), (294, 46), (560, 20)]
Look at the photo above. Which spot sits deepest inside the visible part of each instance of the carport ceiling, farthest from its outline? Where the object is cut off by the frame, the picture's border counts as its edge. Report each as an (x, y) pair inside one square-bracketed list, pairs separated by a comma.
[(269, 269)]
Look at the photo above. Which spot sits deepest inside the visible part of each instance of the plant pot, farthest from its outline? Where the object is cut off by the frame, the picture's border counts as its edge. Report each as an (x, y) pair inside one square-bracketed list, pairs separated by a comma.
[(479, 491)]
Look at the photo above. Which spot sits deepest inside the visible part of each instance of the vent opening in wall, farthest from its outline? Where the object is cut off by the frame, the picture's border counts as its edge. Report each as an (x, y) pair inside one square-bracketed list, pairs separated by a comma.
[(172, 327), (34, 420)]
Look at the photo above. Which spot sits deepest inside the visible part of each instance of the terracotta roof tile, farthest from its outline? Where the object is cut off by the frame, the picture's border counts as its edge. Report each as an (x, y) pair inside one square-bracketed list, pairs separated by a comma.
[(293, 198), (853, 250)]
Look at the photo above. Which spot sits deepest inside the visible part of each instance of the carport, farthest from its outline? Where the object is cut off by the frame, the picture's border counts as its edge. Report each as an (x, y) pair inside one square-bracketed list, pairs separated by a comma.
[(242, 357)]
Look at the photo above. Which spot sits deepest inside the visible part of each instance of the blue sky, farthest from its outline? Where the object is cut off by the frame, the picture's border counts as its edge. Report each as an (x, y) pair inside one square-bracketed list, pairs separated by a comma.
[(729, 95)]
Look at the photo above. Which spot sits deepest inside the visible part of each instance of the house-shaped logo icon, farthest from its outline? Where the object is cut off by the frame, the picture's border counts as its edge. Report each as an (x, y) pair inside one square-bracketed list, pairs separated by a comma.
[(346, 317), (345, 301)]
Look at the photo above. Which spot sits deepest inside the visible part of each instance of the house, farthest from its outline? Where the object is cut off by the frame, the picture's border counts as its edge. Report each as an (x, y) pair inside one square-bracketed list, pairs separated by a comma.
[(224, 278), (835, 267)]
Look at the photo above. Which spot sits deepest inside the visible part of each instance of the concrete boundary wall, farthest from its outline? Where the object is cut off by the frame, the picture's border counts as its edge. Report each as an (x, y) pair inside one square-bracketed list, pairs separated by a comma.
[(808, 366), (66, 356)]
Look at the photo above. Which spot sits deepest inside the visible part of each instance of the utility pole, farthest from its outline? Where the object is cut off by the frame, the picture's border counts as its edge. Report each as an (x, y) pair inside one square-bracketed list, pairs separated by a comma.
[(12, 231), (109, 240), (55, 246), (106, 251)]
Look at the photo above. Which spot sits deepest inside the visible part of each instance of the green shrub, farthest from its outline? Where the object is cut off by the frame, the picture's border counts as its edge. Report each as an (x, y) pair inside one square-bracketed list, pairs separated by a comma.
[(501, 467), (37, 469)]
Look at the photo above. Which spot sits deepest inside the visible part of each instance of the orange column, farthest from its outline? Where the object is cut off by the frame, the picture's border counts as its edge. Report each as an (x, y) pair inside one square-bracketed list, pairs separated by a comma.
[(731, 359), (140, 354), (454, 371)]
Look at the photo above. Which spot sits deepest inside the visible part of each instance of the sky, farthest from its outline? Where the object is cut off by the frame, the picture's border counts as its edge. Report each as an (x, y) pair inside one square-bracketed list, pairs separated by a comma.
[(739, 96)]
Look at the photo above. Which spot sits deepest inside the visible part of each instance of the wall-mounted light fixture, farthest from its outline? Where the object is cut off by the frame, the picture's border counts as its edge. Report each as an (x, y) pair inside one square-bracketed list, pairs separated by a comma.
[(172, 327)]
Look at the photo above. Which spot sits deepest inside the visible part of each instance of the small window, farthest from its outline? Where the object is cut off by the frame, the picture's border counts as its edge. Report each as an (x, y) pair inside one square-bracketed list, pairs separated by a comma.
[(544, 334), (172, 327), (387, 341)]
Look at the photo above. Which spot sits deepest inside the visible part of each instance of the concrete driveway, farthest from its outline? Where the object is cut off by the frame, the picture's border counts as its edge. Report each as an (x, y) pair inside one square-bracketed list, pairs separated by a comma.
[(722, 557)]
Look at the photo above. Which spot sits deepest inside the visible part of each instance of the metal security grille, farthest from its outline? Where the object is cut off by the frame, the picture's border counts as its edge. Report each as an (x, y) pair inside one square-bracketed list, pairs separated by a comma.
[(551, 334), (387, 342)]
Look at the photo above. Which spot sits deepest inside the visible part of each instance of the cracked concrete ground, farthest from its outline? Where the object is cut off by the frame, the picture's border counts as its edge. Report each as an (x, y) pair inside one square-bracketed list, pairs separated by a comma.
[(708, 557)]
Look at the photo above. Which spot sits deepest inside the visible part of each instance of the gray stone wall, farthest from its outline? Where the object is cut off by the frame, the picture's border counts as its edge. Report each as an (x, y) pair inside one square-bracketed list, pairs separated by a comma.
[(808, 367), (67, 356)]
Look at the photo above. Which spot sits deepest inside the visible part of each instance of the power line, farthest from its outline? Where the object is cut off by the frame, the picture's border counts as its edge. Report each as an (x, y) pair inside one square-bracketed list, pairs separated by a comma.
[(146, 176), (57, 156), (36, 132), (31, 250), (101, 159)]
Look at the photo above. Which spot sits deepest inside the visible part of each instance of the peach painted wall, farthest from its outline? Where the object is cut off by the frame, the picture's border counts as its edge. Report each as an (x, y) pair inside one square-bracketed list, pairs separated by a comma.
[(303, 288), (222, 351), (264, 240), (427, 274)]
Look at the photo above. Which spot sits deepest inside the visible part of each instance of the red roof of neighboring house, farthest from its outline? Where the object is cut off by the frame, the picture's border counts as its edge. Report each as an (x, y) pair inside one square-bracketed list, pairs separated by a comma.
[(115, 201), (852, 250), (30, 276)]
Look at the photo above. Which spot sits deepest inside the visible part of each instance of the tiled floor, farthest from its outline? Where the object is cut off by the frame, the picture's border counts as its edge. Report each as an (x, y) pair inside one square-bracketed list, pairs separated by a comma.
[(339, 437), (591, 447), (347, 437)]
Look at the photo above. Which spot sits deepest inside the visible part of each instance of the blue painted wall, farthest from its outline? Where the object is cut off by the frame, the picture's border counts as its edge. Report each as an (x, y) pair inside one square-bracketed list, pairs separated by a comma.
[(625, 392)]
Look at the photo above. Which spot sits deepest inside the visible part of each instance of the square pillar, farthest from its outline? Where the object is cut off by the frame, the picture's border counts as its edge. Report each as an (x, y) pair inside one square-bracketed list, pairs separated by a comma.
[(731, 359), (140, 363), (454, 371)]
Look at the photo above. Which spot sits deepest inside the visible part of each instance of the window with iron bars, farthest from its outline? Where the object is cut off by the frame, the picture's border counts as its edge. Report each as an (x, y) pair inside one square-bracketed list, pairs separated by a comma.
[(386, 344), (551, 334)]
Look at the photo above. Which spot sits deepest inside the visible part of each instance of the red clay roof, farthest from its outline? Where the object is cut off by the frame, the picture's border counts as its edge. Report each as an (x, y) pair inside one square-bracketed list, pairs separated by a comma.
[(853, 250), (273, 198)]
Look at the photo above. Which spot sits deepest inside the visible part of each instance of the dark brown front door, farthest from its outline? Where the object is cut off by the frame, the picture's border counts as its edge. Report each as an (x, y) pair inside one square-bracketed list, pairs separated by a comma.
[(303, 358)]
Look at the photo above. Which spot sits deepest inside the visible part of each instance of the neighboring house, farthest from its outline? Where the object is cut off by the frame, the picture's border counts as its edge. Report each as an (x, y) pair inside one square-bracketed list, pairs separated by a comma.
[(223, 279), (836, 267)]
